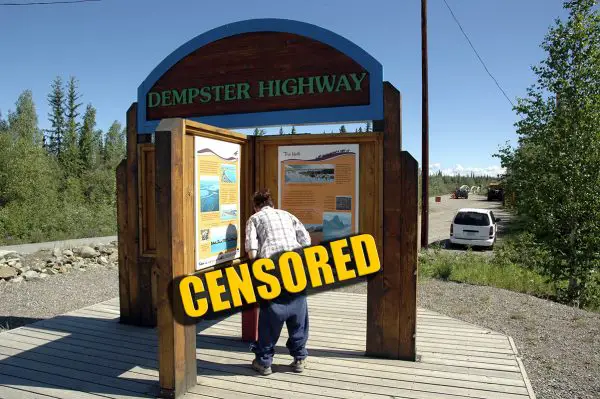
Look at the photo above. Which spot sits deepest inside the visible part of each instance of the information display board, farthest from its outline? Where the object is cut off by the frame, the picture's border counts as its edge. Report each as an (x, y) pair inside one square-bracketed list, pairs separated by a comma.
[(319, 185), (217, 180)]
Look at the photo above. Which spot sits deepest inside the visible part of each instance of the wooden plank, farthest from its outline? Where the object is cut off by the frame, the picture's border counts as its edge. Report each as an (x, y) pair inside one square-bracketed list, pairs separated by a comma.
[(135, 302), (391, 382), (409, 245), (175, 375), (392, 226), (343, 385), (122, 239), (189, 247), (147, 200), (251, 58), (526, 379), (9, 392), (107, 384), (42, 386)]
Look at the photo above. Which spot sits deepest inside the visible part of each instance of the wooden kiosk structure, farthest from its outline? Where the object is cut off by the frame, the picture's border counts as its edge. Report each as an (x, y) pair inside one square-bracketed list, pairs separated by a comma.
[(265, 72)]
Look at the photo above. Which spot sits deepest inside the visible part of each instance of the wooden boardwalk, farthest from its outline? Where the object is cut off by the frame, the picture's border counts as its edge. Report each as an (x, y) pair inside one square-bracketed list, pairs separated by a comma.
[(88, 354)]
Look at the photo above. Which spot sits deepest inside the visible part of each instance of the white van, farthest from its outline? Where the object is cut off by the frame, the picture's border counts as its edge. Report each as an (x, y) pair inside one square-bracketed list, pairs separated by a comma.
[(474, 227)]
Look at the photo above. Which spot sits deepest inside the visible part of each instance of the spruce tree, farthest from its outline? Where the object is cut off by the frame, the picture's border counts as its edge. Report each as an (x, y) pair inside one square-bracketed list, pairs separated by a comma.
[(281, 131), (293, 130), (87, 148), (70, 154), (56, 101), (343, 129), (98, 148), (368, 127)]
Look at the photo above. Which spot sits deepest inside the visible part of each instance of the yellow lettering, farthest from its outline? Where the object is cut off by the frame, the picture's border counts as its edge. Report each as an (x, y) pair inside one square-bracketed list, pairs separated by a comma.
[(239, 286), (314, 265), (340, 259), (356, 243), (259, 268), (286, 272), (187, 296), (215, 290)]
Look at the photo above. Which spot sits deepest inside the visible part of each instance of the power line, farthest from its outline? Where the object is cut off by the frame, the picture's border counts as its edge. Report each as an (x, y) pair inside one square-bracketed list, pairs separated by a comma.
[(39, 3), (477, 54)]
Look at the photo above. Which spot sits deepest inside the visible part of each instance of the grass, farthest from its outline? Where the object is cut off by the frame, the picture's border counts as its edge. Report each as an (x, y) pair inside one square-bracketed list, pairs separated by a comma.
[(483, 270)]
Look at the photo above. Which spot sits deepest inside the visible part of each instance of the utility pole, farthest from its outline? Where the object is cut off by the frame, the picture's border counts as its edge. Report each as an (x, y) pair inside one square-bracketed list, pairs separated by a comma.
[(425, 131)]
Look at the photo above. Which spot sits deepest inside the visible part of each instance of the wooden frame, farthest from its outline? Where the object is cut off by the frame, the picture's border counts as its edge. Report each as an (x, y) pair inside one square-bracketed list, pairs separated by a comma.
[(176, 244), (147, 278), (373, 110)]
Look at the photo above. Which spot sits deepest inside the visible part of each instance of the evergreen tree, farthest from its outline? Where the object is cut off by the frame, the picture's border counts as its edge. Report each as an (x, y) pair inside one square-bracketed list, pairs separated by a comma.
[(281, 131), (87, 145), (368, 127), (98, 148), (360, 129), (259, 132), (70, 155), (343, 129), (293, 130), (56, 101)]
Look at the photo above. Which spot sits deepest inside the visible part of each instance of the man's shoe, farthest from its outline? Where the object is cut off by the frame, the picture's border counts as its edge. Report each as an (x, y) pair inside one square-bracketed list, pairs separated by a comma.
[(298, 365), (262, 370)]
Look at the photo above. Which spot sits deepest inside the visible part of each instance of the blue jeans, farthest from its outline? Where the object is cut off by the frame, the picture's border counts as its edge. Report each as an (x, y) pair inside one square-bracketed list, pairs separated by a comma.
[(294, 313)]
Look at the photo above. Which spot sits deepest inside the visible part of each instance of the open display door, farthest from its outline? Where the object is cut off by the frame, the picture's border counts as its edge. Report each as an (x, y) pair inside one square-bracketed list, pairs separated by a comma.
[(204, 179)]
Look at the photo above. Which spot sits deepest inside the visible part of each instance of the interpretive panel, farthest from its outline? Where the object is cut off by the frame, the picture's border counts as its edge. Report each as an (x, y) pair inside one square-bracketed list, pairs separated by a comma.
[(319, 184), (217, 180)]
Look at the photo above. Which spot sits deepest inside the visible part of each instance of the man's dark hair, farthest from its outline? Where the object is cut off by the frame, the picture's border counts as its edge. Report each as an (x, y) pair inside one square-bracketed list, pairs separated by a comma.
[(262, 198)]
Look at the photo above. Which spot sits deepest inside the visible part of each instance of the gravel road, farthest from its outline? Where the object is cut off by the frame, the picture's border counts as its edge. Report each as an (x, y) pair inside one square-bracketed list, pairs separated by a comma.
[(442, 213)]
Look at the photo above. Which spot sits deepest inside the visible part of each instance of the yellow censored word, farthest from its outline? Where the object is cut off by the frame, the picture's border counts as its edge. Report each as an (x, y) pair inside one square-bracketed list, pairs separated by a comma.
[(223, 289)]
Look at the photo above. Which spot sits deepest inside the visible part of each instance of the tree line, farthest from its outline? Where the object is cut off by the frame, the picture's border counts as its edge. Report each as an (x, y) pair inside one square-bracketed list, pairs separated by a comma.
[(554, 171), (57, 183), (342, 129)]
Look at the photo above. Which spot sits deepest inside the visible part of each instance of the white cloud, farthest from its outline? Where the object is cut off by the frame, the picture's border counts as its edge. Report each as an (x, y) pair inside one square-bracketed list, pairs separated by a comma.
[(457, 169)]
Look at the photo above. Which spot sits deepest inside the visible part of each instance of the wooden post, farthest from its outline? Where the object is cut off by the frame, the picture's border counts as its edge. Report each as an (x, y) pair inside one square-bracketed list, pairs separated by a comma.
[(176, 341), (123, 234), (391, 302), (133, 268)]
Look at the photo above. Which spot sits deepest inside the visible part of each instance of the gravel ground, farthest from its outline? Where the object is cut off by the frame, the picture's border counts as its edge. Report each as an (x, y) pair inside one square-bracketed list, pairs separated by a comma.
[(27, 302), (559, 345)]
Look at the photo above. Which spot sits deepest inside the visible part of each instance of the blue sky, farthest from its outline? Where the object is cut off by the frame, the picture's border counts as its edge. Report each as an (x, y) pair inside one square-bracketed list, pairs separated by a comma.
[(111, 46)]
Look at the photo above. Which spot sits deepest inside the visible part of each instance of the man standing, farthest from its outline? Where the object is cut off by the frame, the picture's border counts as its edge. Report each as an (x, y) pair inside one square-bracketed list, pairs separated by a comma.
[(269, 232)]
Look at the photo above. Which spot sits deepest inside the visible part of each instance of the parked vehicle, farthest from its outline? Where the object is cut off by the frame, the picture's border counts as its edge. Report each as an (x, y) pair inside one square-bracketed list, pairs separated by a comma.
[(495, 192), (462, 192), (474, 227)]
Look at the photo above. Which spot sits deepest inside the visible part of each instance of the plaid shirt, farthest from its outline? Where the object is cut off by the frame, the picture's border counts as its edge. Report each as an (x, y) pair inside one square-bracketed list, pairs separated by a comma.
[(271, 231)]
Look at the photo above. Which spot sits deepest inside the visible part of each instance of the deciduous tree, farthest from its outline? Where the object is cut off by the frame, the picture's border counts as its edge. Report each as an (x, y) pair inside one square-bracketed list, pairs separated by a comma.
[(554, 172)]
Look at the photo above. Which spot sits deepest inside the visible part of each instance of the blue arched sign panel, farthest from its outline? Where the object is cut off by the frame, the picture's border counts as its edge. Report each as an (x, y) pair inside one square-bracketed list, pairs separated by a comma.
[(263, 72)]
